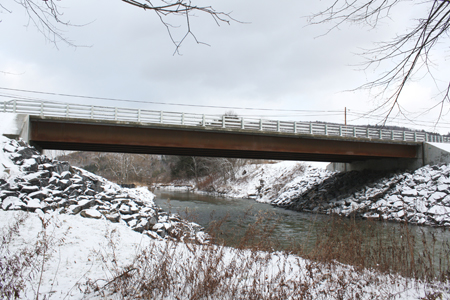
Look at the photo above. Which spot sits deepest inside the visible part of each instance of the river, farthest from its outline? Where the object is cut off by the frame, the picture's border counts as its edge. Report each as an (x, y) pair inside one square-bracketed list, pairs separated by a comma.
[(287, 225)]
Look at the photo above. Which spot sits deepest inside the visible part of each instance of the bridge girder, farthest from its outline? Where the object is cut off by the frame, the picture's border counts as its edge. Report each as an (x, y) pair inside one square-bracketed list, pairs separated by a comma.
[(133, 137)]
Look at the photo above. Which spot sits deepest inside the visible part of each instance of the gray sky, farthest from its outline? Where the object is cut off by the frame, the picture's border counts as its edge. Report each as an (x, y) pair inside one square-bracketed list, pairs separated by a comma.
[(273, 61)]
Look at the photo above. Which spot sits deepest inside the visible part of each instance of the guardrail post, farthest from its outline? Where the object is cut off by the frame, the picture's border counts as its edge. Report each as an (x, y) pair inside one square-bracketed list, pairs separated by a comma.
[(115, 113), (392, 134), (367, 133), (340, 130), (426, 137), (242, 123), (295, 127), (260, 124), (182, 118), (42, 109), (404, 135), (354, 131), (139, 115), (326, 129), (310, 128), (203, 121), (161, 116), (415, 136), (278, 125), (223, 121), (380, 134), (92, 111), (14, 105)]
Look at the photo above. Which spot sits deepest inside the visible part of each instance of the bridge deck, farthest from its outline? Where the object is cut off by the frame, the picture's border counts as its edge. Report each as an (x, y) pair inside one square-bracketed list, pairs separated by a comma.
[(134, 137)]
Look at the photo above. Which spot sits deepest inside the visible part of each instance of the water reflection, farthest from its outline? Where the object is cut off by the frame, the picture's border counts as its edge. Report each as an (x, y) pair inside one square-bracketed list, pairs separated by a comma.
[(288, 225)]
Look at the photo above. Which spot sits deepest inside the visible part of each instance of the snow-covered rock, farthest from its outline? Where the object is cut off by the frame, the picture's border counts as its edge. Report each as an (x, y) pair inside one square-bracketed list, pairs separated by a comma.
[(32, 182), (419, 197)]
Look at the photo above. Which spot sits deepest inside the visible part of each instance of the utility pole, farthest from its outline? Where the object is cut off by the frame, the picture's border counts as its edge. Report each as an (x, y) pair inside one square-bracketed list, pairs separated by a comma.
[(345, 116)]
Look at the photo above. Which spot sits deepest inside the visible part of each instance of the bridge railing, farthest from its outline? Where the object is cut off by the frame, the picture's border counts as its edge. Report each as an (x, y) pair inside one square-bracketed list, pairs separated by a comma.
[(55, 109)]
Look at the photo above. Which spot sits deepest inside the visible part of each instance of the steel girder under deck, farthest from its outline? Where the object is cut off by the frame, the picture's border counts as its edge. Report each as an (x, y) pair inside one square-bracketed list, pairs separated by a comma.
[(133, 137)]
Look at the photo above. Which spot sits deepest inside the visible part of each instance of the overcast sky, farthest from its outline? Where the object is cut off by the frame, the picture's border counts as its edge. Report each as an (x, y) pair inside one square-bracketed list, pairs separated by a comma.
[(272, 61)]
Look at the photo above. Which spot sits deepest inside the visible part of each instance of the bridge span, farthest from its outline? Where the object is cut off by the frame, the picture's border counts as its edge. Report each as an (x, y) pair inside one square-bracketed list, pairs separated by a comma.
[(105, 129)]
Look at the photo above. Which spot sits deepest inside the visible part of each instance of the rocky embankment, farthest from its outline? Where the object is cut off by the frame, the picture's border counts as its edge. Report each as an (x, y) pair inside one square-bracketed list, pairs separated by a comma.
[(420, 197), (39, 183)]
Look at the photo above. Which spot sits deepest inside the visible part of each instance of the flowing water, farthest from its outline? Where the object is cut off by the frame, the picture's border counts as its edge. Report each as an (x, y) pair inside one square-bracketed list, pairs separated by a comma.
[(287, 225)]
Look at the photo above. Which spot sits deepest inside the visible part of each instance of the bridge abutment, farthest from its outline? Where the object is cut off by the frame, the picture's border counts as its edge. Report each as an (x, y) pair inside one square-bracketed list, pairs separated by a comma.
[(15, 126), (428, 154)]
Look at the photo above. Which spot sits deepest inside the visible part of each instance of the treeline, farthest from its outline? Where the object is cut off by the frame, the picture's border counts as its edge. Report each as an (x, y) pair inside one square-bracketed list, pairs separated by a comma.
[(123, 168), (144, 169)]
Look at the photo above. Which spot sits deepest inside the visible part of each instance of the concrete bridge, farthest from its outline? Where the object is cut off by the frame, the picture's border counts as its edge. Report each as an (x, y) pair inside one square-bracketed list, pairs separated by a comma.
[(51, 125)]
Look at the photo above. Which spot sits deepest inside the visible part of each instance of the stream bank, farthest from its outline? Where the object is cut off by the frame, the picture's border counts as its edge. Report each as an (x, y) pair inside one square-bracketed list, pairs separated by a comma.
[(419, 197)]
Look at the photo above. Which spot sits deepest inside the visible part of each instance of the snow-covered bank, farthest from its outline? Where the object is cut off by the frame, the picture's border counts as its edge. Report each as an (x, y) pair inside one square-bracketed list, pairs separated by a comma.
[(88, 258), (30, 181), (419, 197), (261, 182)]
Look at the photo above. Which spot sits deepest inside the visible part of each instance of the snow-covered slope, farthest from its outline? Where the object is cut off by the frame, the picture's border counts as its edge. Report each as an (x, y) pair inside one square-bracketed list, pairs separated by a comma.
[(30, 181), (84, 257), (261, 182), (419, 197)]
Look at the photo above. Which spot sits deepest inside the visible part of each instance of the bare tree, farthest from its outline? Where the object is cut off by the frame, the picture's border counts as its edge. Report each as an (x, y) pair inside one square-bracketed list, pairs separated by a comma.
[(46, 16), (410, 51)]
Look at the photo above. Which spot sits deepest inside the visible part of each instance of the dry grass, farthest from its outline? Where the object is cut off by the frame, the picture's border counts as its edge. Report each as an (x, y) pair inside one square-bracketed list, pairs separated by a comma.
[(363, 244), (254, 269), (27, 263)]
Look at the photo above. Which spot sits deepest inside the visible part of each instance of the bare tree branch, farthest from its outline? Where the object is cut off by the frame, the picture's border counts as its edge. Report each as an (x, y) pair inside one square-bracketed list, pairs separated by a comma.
[(411, 52), (46, 16)]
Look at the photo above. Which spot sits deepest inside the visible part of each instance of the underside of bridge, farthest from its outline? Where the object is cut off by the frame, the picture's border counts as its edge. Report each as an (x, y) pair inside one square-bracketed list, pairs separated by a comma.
[(112, 136)]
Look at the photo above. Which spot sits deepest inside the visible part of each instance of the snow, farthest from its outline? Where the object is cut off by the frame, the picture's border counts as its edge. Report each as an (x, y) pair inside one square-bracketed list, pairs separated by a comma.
[(80, 246), (443, 146), (7, 167), (8, 123), (74, 259), (439, 210)]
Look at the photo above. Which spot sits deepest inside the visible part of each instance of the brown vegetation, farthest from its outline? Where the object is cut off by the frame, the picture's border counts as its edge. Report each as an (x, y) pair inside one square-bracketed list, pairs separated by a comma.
[(178, 270)]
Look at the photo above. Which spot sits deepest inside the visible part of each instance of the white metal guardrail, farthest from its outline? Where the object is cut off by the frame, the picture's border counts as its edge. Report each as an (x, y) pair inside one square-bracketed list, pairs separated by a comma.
[(56, 109)]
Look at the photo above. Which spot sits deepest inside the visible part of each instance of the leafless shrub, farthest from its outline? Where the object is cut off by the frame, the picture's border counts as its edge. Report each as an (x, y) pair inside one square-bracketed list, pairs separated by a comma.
[(395, 250), (20, 266), (186, 271)]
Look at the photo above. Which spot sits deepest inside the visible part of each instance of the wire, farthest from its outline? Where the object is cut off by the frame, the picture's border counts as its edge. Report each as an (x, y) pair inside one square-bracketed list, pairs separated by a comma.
[(297, 112), (163, 103)]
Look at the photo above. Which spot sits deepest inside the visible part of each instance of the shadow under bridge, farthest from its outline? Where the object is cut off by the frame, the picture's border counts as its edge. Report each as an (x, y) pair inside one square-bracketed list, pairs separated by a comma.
[(135, 137)]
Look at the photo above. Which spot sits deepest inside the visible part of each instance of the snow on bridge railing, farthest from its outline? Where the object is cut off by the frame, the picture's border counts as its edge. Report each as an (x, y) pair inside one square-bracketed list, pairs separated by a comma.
[(55, 109)]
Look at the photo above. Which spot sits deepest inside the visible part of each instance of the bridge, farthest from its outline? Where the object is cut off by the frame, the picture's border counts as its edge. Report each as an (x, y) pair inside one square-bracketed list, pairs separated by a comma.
[(64, 126)]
